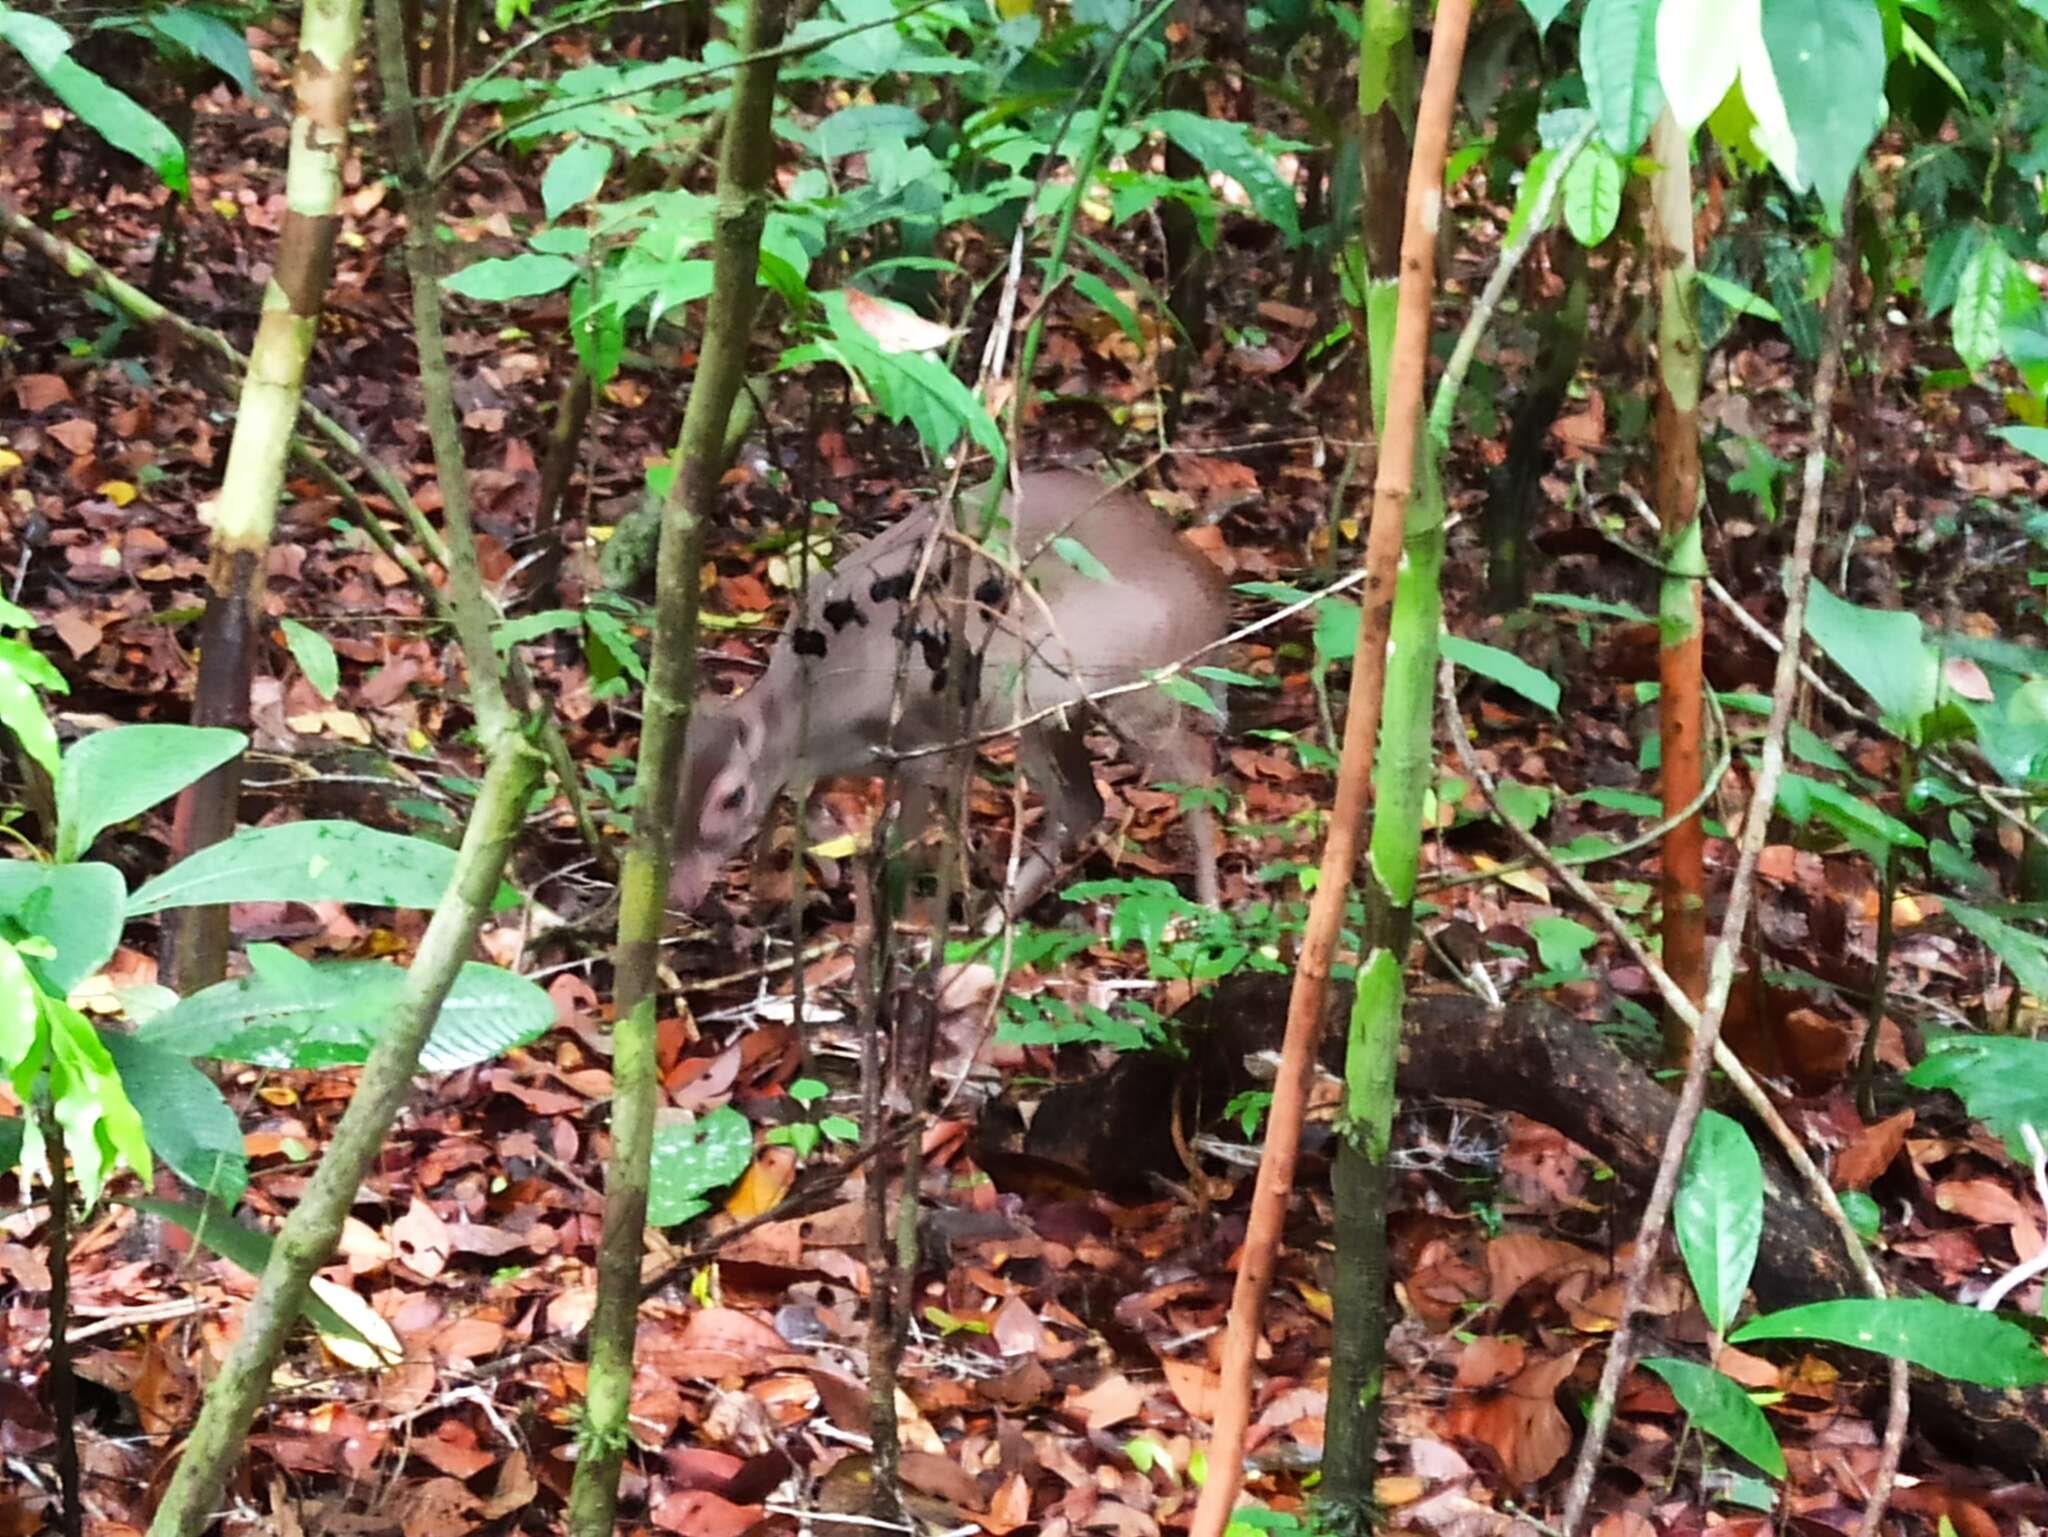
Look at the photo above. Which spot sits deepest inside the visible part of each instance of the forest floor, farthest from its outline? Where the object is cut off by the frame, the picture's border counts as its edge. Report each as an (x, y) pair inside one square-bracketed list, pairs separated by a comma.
[(1070, 1309)]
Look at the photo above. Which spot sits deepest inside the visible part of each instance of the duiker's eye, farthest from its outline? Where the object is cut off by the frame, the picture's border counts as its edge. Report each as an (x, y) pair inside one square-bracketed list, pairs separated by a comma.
[(734, 799)]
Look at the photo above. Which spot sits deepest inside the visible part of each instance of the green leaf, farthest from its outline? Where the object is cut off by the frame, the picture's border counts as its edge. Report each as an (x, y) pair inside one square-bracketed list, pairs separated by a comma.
[(314, 653), (1828, 57), (1504, 668), (20, 1010), (2025, 955), (508, 633), (110, 113), (12, 1135), (1618, 58), (1592, 195), (1225, 145), (500, 279), (1977, 322), (99, 1120), (693, 1158), (305, 862), (2032, 441), (1104, 298), (1080, 557), (186, 1121), (121, 772), (329, 1015), (574, 177), (206, 36), (1873, 832), (1738, 298), (1185, 690), (21, 709), (1883, 650), (75, 909), (1544, 12), (1719, 1406), (1719, 1216), (1949, 1340), (1699, 55), (2002, 1080), (214, 1227)]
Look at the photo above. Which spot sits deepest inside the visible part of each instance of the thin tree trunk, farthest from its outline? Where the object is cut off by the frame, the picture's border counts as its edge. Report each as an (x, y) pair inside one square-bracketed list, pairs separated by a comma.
[(1391, 489), (245, 513), (1360, 1179), (1681, 695), (512, 769), (745, 163)]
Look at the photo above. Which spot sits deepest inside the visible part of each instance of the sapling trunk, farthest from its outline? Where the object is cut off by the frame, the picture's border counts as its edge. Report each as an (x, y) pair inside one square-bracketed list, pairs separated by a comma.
[(243, 516), (745, 162), (511, 770), (1392, 486), (1680, 698), (1404, 762)]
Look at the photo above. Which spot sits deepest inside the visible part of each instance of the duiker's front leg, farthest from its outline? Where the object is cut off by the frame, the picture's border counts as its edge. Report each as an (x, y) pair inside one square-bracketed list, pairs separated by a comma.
[(1056, 760)]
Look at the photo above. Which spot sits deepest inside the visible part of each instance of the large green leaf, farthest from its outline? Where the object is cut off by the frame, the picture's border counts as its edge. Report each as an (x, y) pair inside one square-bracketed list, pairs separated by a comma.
[(1719, 1215), (2025, 954), (1618, 58), (100, 1123), (1977, 322), (1828, 56), (305, 862), (573, 177), (207, 36), (23, 670), (291, 1013), (214, 1226), (2002, 1080), (184, 1118), (1946, 1338), (1699, 54), (1224, 145), (501, 279), (1592, 195), (1718, 1406), (691, 1159), (1504, 668), (1884, 651), (121, 772), (75, 908), (110, 113)]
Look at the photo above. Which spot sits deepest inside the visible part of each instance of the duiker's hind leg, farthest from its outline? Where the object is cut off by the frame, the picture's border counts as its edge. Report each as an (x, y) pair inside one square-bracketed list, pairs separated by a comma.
[(1173, 751), (1056, 760)]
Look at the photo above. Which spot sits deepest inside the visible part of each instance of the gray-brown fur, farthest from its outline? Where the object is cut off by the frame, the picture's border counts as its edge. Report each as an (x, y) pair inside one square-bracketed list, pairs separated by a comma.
[(1079, 634)]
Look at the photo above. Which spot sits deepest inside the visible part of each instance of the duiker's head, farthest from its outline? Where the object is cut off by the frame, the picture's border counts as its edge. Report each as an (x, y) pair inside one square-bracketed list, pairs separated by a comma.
[(726, 790)]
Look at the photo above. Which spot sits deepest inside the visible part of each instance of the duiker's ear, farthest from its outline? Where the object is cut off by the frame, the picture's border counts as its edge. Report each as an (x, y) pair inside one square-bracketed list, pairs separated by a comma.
[(749, 730)]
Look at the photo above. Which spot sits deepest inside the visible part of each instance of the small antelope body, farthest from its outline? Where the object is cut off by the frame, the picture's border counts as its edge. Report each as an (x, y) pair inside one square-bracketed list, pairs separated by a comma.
[(1131, 598)]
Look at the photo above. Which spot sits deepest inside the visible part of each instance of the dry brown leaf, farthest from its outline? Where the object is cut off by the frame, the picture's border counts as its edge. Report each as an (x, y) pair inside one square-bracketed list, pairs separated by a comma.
[(1194, 1385), (1110, 1402), (1863, 1160), (1521, 1422)]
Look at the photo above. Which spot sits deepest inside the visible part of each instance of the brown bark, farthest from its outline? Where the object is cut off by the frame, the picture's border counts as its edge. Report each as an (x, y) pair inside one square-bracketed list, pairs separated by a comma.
[(1393, 485)]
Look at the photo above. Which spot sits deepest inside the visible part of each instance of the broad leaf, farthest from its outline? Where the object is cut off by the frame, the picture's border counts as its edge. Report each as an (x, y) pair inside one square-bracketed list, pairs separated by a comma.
[(2025, 954), (1081, 558), (1618, 57), (112, 114), (305, 862), (1719, 1406), (207, 36), (184, 1118), (215, 1227), (1504, 668), (1946, 1338), (1226, 146), (1884, 651), (501, 279), (574, 176), (305, 1015), (1719, 1216), (692, 1159), (23, 670), (1828, 57), (314, 653), (2002, 1080), (1699, 53), (76, 909), (1185, 690), (121, 772), (1592, 195)]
